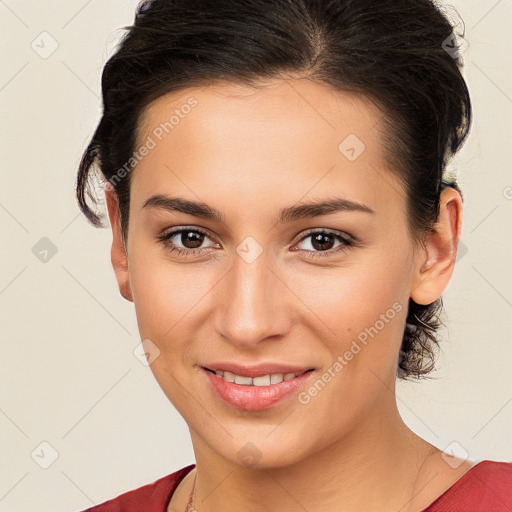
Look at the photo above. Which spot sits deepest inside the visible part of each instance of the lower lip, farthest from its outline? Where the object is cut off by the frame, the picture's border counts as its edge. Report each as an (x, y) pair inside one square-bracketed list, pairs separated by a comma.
[(255, 398)]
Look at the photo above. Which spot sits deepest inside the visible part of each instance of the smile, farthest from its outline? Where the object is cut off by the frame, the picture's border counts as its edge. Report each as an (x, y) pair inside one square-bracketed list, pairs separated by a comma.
[(258, 390), (263, 380)]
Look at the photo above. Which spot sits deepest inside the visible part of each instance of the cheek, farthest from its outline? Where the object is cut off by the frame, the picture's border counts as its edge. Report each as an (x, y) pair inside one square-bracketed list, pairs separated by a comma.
[(364, 311), (167, 297), (353, 297), (361, 310)]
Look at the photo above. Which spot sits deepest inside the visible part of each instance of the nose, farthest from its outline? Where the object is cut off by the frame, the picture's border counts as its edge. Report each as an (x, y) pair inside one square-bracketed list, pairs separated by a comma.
[(252, 304)]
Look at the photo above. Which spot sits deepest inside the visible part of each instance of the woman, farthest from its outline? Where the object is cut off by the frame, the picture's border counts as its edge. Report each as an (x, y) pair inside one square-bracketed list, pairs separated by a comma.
[(283, 220)]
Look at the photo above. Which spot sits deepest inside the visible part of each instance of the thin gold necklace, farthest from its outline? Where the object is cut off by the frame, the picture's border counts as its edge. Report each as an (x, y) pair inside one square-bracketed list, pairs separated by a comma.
[(189, 507)]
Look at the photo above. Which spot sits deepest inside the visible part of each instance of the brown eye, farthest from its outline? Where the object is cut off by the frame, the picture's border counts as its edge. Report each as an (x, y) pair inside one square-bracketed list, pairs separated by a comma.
[(191, 239), (184, 241), (324, 242)]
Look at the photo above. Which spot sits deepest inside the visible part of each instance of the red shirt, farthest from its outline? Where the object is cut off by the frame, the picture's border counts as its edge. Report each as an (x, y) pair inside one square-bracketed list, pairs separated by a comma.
[(486, 487)]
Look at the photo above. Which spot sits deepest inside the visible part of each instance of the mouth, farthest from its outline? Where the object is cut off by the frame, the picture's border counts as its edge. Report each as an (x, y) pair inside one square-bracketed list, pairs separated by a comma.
[(256, 388), (259, 380)]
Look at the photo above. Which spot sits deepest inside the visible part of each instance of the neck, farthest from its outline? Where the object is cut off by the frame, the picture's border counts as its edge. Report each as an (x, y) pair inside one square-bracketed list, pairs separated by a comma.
[(380, 465)]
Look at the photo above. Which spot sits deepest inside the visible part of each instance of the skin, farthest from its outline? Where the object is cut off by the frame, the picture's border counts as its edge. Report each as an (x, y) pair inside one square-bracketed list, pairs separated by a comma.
[(249, 153)]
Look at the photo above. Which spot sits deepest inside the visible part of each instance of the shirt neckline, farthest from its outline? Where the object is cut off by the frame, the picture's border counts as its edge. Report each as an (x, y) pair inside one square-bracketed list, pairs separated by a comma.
[(442, 497), (187, 469), (184, 472)]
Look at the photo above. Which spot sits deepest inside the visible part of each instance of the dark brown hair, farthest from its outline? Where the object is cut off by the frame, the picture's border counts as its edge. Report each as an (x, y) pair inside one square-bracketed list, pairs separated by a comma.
[(398, 53)]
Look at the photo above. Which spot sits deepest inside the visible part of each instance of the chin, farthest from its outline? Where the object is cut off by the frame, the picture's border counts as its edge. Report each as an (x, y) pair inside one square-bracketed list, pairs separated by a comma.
[(260, 451)]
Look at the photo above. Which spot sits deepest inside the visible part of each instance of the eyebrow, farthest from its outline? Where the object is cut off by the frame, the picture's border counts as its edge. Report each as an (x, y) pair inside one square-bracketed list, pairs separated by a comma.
[(288, 214)]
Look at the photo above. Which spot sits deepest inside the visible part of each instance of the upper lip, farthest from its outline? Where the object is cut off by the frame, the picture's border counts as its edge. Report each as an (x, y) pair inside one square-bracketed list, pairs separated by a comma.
[(255, 370)]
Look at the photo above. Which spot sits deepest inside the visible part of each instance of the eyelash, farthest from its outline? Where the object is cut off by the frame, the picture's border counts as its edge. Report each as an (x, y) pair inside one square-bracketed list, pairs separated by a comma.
[(347, 242)]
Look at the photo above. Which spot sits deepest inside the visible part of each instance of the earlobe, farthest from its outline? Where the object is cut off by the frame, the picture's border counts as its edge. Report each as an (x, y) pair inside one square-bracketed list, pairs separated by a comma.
[(119, 256), (436, 260)]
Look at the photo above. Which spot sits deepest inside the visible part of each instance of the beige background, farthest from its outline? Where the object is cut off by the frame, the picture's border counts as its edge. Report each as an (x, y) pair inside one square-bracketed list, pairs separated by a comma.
[(68, 373)]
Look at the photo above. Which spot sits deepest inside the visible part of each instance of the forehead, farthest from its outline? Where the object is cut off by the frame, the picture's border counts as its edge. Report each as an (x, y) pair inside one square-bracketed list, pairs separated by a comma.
[(289, 107), (296, 135)]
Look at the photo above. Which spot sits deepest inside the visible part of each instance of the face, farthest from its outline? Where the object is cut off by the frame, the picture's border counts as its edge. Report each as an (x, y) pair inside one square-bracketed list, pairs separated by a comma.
[(253, 282)]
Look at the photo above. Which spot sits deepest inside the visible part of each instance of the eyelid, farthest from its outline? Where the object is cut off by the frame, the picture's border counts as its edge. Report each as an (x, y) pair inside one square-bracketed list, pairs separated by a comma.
[(341, 234), (166, 235), (348, 241)]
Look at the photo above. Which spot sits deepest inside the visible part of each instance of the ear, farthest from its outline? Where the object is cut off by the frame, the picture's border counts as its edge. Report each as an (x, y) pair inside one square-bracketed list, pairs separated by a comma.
[(435, 261), (119, 256)]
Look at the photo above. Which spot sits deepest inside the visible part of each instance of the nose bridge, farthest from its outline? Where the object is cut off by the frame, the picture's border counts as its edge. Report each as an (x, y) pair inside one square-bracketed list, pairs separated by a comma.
[(249, 308)]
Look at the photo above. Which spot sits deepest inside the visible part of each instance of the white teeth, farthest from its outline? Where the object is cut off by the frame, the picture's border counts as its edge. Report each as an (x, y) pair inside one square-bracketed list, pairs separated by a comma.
[(276, 378), (244, 381), (263, 380), (230, 377)]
